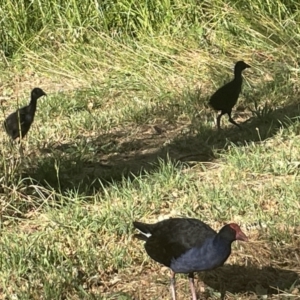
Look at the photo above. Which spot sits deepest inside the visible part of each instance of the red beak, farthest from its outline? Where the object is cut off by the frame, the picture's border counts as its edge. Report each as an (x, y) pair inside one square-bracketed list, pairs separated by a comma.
[(241, 236)]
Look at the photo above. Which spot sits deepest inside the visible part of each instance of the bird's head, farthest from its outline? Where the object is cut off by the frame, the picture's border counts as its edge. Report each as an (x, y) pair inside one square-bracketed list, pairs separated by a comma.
[(239, 234), (240, 66), (37, 93), (233, 232)]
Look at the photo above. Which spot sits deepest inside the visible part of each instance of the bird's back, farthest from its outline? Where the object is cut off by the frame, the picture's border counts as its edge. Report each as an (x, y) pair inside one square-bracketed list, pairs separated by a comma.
[(20, 120), (171, 238)]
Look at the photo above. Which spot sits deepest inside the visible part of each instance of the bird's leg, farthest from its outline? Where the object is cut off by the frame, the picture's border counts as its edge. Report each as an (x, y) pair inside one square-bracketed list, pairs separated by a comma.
[(192, 286), (219, 119), (232, 121), (172, 285)]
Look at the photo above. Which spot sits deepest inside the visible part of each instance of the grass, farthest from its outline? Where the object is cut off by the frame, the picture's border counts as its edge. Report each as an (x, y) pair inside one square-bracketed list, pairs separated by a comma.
[(125, 134)]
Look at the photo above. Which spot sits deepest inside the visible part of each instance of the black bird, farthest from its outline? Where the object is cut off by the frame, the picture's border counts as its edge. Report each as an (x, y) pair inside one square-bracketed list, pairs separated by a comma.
[(19, 122), (188, 245), (225, 98)]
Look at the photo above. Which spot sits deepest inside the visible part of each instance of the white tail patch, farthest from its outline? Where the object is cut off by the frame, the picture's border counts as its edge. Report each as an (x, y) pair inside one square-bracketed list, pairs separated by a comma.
[(148, 234)]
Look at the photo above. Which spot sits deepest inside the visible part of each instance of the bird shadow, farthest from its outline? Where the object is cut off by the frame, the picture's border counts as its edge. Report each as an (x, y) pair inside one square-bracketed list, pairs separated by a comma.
[(87, 163), (251, 280), (181, 132)]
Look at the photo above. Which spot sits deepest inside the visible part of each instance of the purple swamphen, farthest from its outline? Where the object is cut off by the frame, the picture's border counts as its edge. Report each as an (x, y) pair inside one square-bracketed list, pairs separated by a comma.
[(18, 123), (188, 245), (225, 98)]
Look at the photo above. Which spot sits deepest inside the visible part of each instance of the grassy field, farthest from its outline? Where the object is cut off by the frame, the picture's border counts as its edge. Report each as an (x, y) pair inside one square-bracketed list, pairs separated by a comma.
[(125, 134)]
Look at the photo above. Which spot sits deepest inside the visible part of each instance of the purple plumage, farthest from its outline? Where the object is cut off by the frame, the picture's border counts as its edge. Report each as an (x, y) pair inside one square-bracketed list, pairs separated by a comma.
[(188, 245)]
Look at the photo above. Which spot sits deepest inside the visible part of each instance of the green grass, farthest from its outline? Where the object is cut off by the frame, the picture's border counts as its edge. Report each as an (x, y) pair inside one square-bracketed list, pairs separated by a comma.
[(125, 134)]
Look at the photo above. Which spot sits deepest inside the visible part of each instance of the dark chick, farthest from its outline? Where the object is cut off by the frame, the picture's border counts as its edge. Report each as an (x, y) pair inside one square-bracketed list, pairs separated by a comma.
[(19, 122), (225, 98), (188, 246)]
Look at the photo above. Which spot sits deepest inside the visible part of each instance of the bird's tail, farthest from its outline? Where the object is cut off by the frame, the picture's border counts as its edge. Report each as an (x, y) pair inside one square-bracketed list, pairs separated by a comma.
[(145, 230), (140, 236)]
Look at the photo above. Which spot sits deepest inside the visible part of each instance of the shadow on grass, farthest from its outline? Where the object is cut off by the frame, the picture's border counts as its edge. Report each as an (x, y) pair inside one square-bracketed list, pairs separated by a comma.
[(229, 282), (88, 163), (251, 280)]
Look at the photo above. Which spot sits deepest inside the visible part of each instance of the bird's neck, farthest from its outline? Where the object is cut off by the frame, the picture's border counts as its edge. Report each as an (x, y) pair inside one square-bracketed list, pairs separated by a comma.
[(32, 104), (221, 240), (238, 76)]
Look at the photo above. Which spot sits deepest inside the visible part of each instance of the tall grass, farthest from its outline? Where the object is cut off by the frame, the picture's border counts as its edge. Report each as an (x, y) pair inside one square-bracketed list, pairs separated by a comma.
[(206, 21)]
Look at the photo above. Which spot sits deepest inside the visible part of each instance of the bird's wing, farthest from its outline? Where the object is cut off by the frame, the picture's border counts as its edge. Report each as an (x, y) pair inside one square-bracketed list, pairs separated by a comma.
[(162, 251), (179, 236)]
